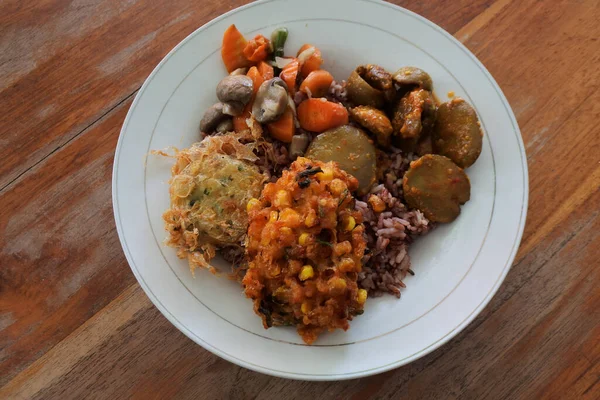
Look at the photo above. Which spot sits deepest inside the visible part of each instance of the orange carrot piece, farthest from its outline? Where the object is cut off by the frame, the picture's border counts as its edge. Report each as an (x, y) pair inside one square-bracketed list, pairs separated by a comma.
[(266, 70), (319, 115), (257, 49), (317, 83), (232, 51), (289, 74), (239, 122), (313, 62), (257, 79), (284, 128)]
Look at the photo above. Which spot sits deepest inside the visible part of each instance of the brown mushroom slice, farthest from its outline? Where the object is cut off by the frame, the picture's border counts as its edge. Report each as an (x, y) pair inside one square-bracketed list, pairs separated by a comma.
[(233, 108), (239, 71), (352, 149), (414, 112), (370, 85), (457, 134), (378, 78), (437, 187), (412, 76), (375, 121), (299, 144), (211, 118), (361, 93), (271, 101), (235, 89), (225, 126)]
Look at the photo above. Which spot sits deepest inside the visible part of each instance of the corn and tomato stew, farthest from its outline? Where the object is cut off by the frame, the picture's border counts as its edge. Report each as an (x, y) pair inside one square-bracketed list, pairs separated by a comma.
[(305, 245)]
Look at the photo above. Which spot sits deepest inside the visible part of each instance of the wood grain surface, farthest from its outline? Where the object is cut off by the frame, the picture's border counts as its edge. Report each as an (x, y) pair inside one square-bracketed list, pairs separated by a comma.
[(75, 324)]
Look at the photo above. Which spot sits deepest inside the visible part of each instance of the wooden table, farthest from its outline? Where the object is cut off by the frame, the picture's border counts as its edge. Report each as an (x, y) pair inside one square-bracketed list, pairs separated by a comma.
[(75, 324)]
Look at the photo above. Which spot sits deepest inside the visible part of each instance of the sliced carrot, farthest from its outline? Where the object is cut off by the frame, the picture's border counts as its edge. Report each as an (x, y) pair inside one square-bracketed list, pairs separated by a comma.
[(319, 115), (257, 79), (313, 62), (257, 49), (232, 51), (289, 74), (266, 70), (317, 83), (239, 122), (284, 128)]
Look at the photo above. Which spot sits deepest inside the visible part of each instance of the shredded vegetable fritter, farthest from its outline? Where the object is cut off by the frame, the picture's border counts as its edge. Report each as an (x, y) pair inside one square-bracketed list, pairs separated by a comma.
[(211, 184)]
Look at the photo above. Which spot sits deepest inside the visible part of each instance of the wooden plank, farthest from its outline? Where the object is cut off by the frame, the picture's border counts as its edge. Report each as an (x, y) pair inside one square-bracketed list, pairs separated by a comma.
[(61, 258)]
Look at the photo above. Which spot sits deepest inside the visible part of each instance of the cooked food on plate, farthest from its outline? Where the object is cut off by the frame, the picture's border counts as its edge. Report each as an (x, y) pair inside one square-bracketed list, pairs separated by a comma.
[(314, 188), (305, 246)]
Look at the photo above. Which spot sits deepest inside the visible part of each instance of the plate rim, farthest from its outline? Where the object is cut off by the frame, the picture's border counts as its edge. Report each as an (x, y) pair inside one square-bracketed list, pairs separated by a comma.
[(449, 335)]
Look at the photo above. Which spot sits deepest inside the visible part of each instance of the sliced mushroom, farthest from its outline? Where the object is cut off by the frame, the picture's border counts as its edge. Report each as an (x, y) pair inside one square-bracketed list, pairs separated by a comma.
[(233, 108), (235, 88), (379, 78), (413, 110), (299, 144), (239, 71), (271, 101), (412, 76), (375, 121), (225, 126), (212, 117), (370, 85)]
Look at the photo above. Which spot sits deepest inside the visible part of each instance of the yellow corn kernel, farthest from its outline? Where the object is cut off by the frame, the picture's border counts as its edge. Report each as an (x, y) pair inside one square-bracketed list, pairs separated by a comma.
[(252, 203), (273, 215), (337, 285), (290, 217), (350, 224), (362, 296), (311, 218), (306, 272), (346, 265), (285, 231), (303, 239), (282, 199), (337, 187), (341, 283), (326, 175), (265, 240), (305, 307)]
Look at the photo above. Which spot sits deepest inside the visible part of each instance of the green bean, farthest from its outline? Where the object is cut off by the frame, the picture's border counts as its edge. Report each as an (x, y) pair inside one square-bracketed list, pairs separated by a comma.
[(278, 38)]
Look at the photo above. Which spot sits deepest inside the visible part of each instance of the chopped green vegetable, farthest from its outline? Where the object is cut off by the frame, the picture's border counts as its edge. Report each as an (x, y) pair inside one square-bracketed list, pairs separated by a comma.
[(308, 172), (324, 243), (278, 38)]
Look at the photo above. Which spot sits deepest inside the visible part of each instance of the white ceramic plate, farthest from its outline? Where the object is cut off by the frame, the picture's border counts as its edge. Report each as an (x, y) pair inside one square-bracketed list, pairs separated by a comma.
[(458, 267)]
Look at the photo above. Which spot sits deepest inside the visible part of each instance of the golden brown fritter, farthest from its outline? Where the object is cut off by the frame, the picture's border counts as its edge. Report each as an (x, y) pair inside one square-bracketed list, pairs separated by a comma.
[(211, 184)]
